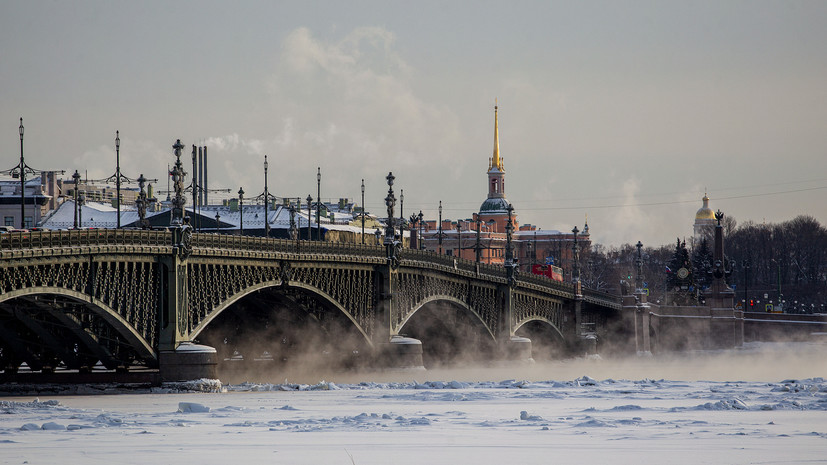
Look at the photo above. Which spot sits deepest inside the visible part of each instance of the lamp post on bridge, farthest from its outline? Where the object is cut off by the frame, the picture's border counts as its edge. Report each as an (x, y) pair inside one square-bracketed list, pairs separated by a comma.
[(639, 265), (22, 166), (390, 202), (401, 217), (319, 203), (478, 246), (142, 202), (118, 174), (459, 239), (439, 230), (76, 179), (421, 238), (178, 185), (266, 201), (363, 211), (509, 253), (309, 203), (241, 211)]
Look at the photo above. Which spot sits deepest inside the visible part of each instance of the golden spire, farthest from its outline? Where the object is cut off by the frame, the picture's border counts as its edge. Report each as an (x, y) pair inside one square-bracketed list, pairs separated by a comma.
[(496, 161)]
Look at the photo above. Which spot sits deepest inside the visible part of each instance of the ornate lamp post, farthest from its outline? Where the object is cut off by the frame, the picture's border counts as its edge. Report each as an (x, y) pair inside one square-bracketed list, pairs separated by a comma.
[(639, 265), (76, 179), (477, 246), (319, 203), (439, 230), (118, 174), (421, 239), (509, 254), (178, 185), (575, 249), (390, 201), (459, 240), (294, 233), (401, 216), (529, 257), (241, 211), (266, 201), (309, 203), (22, 181), (363, 211), (142, 201)]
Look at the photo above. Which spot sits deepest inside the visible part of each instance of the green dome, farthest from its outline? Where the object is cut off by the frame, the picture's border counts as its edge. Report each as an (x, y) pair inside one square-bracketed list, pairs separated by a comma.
[(494, 205)]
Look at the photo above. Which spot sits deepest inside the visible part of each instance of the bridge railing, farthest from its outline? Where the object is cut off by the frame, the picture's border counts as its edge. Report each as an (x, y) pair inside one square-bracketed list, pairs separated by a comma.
[(82, 237), (261, 244)]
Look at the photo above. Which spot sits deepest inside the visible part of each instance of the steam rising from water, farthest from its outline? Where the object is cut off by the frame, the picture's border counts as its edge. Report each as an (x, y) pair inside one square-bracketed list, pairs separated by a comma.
[(753, 362)]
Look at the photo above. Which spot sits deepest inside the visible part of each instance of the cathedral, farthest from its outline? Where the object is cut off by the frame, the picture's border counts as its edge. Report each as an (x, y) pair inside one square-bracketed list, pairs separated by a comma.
[(532, 246)]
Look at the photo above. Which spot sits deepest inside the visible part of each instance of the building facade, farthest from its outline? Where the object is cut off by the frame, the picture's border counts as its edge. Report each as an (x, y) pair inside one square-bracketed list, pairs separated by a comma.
[(483, 236)]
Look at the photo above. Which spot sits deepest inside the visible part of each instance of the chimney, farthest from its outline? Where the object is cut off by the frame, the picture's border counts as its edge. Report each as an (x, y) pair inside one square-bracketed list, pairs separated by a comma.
[(200, 177), (205, 176)]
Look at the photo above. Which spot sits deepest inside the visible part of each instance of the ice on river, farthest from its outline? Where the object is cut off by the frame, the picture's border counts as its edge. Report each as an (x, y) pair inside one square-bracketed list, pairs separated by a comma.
[(577, 420)]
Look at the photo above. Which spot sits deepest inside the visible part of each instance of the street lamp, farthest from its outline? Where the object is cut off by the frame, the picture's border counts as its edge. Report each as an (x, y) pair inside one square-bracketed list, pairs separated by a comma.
[(477, 246), (439, 230), (141, 202), (266, 200), (421, 239), (319, 203), (241, 211), (401, 217), (363, 211), (459, 239), (22, 181), (309, 203), (390, 201), (118, 174), (217, 222), (76, 179), (639, 263)]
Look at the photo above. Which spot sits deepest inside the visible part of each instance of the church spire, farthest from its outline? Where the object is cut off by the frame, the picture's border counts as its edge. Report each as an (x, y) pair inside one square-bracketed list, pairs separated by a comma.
[(496, 161)]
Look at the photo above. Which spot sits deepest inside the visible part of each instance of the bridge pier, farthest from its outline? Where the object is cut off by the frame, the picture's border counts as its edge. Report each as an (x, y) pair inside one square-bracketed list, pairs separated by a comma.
[(187, 362), (400, 352)]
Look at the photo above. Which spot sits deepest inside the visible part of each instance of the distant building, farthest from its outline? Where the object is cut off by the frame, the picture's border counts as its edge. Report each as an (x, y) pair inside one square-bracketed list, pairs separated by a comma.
[(531, 245), (41, 194), (704, 222)]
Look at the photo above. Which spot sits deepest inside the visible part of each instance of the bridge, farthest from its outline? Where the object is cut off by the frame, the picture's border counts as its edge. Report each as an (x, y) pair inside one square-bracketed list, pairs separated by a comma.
[(179, 302)]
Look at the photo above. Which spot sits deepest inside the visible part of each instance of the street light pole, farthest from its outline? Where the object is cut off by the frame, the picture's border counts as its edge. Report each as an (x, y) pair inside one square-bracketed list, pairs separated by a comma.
[(319, 203), (363, 211), (309, 214), (459, 240), (76, 178), (266, 201), (401, 217), (439, 230), (240, 211), (118, 175), (478, 247), (22, 181), (421, 239)]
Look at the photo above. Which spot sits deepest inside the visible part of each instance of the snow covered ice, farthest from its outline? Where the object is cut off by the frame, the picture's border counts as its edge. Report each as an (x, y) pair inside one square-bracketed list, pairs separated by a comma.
[(576, 420)]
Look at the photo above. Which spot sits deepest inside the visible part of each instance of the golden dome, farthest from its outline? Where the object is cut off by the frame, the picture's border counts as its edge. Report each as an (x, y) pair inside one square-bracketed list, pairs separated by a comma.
[(705, 213)]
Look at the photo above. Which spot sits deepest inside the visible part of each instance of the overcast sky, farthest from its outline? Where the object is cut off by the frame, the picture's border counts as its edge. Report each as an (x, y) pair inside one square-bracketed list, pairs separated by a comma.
[(622, 111)]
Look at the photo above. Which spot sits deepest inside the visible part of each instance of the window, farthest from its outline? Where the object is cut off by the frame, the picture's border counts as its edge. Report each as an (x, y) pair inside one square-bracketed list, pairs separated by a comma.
[(28, 223), (9, 221)]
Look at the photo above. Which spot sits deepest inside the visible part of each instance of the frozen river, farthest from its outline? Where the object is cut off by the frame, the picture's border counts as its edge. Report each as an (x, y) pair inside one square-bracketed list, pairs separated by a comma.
[(773, 409)]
